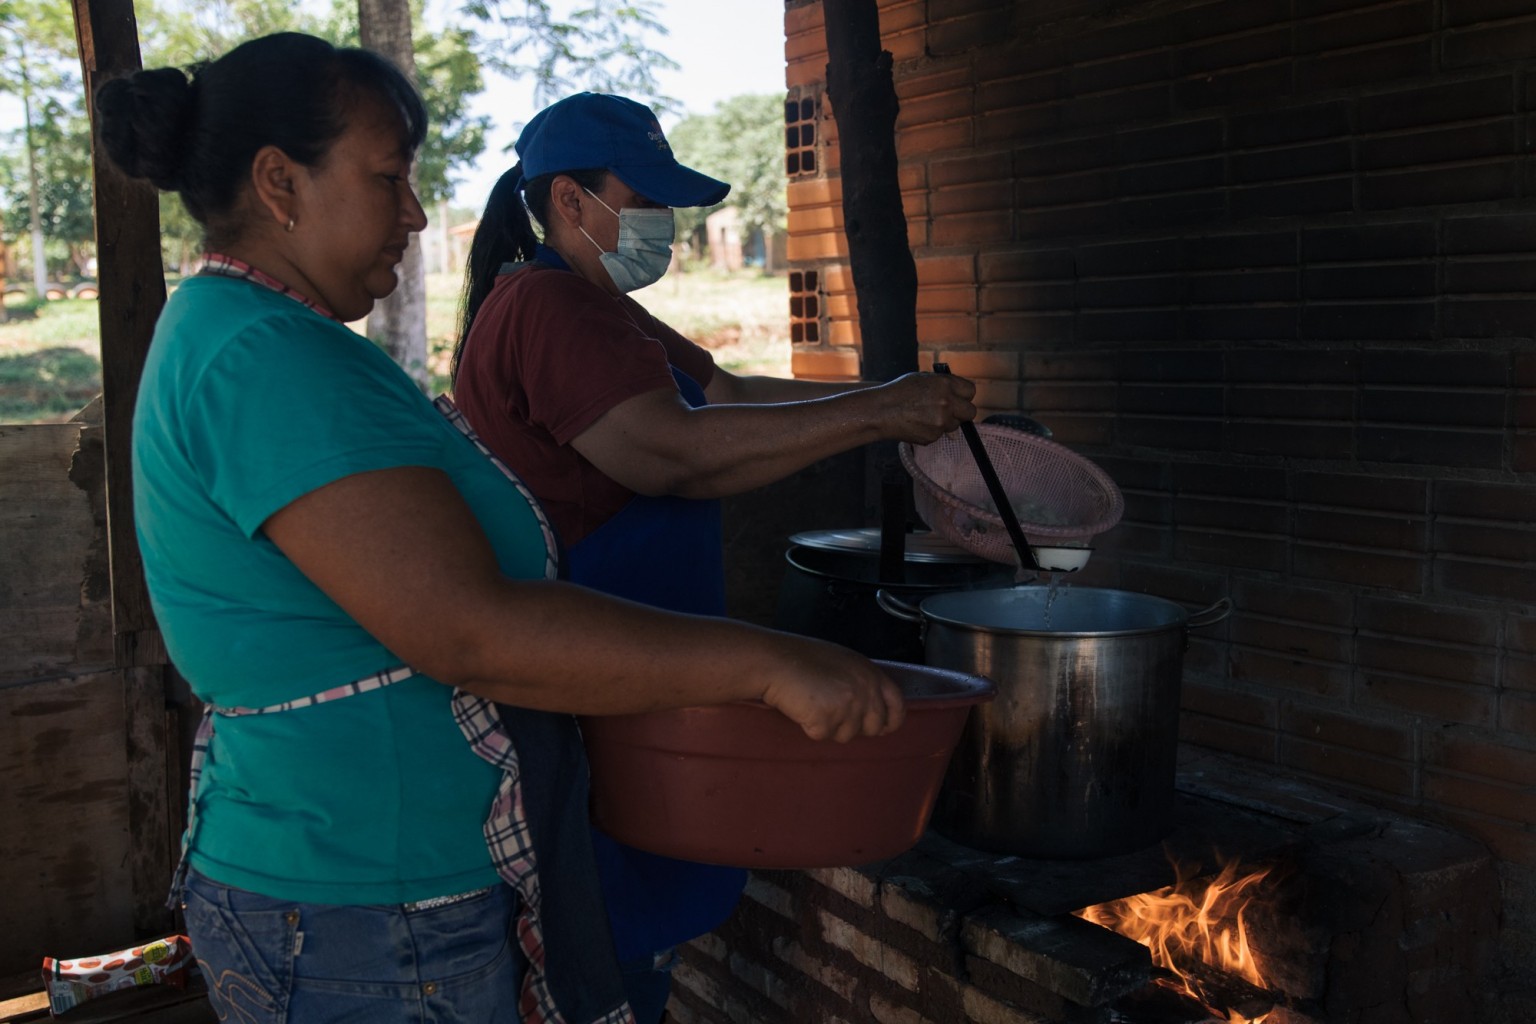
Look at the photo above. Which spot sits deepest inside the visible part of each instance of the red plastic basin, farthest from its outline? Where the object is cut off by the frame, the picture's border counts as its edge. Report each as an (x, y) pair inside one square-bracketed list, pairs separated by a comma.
[(740, 784)]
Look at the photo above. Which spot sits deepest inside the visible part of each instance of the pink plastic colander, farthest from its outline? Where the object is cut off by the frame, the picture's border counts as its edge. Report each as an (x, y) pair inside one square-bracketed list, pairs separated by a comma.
[(1060, 498)]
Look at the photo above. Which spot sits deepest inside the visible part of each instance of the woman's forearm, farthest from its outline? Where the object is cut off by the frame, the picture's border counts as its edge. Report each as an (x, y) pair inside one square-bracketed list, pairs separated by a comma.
[(653, 444)]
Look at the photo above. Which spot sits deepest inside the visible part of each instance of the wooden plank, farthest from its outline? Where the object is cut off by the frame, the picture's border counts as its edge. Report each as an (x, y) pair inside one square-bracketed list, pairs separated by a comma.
[(150, 862), (160, 1004), (54, 615), (64, 825), (132, 295)]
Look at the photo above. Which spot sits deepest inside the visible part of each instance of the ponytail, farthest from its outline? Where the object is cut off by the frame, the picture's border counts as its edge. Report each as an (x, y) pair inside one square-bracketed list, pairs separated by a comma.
[(506, 235)]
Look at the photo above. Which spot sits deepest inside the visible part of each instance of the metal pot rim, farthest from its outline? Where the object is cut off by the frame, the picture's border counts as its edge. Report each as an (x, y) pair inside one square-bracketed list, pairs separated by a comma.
[(1165, 615), (920, 546)]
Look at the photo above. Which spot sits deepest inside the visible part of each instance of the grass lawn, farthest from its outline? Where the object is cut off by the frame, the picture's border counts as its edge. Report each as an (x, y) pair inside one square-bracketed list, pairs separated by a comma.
[(50, 366)]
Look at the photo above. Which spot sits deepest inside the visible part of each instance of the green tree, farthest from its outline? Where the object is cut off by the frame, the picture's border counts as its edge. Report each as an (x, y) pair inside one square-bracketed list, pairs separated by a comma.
[(741, 142), (37, 51), (601, 46), (61, 157)]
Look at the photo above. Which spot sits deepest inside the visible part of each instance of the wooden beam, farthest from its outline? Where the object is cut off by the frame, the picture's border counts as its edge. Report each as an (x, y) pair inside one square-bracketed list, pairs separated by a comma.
[(132, 295), (879, 257)]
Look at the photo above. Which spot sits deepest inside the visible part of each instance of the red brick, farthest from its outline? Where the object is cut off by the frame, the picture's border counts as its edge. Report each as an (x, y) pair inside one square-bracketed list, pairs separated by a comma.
[(1403, 573), (972, 31), (996, 396), (1426, 622), (972, 229), (1485, 540), (951, 300), (1120, 72), (1478, 752), (1332, 526), (1263, 403), (1219, 734), (1375, 66), (1269, 668), (1468, 705), (1482, 580), (946, 202), (993, 365), (1007, 298), (1023, 330), (1291, 639), (1227, 704), (1359, 490), (1457, 663), (972, 168), (1348, 768), (1489, 44), (1523, 460), (946, 330), (1519, 674), (1489, 180), (1003, 127), (938, 80), (1087, 397), (1495, 502), (917, 111), (1287, 600), (1521, 633), (1257, 82), (1517, 711), (1388, 739), (935, 137), (1380, 23), (1516, 804), (946, 270), (1258, 519)]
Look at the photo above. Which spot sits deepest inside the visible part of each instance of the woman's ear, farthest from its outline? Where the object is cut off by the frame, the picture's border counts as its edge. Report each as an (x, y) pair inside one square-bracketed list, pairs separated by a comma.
[(272, 181), (565, 198)]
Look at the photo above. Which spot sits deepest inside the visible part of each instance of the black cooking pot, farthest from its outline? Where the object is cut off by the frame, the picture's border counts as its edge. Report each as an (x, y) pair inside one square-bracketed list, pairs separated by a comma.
[(831, 577)]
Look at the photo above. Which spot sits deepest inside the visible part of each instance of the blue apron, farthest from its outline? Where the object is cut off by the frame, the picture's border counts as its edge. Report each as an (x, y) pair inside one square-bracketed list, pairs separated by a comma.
[(666, 552)]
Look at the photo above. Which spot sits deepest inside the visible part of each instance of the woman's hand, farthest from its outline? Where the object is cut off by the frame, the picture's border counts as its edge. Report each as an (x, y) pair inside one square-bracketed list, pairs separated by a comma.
[(923, 407), (832, 692)]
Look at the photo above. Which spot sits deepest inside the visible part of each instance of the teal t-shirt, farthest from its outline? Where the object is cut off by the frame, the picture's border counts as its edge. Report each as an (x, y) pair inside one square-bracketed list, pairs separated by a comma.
[(248, 401)]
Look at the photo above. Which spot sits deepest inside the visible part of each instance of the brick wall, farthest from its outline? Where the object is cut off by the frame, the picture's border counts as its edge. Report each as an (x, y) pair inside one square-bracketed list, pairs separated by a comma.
[(1377, 919), (1271, 264)]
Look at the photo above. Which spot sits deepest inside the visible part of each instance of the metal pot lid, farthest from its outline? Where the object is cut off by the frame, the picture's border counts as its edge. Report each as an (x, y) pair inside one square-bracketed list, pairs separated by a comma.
[(921, 545)]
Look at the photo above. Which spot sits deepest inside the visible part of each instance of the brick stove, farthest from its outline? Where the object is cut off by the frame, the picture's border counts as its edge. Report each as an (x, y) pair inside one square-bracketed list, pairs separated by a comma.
[(1373, 918)]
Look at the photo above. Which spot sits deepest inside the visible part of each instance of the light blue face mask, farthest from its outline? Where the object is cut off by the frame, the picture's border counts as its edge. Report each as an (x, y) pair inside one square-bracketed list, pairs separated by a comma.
[(645, 246)]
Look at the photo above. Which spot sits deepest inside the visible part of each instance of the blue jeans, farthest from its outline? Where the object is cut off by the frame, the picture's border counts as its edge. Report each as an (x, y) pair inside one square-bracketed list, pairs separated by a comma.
[(271, 961)]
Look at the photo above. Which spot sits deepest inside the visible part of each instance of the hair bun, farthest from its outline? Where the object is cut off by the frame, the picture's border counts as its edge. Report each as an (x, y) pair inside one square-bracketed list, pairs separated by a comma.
[(146, 120)]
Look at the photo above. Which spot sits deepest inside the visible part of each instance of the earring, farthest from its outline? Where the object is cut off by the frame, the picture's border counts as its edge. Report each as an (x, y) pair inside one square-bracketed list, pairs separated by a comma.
[(290, 225)]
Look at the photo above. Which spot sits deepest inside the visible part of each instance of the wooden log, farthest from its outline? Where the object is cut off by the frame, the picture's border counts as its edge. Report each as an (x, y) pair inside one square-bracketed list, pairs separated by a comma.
[(132, 295), (879, 257)]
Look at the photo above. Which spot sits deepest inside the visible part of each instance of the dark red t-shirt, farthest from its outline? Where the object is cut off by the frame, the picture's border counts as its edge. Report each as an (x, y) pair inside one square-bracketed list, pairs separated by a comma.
[(549, 353)]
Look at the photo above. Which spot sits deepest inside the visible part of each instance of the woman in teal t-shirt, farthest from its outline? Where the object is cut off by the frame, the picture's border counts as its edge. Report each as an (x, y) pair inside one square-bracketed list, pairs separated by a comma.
[(366, 600)]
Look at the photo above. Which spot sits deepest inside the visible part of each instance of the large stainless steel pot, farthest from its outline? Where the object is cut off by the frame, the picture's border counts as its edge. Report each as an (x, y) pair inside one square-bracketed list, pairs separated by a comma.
[(1076, 756)]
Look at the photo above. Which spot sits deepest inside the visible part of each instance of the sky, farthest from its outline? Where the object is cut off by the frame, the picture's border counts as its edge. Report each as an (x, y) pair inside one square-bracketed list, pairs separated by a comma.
[(724, 48)]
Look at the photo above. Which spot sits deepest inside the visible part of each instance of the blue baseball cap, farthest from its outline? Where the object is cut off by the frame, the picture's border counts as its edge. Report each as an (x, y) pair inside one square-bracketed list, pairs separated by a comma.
[(591, 130)]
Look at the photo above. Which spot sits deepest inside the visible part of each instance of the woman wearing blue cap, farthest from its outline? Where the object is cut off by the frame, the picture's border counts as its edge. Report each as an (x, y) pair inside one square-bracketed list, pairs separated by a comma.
[(628, 433), (387, 822)]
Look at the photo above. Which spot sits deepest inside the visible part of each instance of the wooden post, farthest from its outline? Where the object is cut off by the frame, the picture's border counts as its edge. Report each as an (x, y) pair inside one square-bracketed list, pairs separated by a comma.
[(864, 102), (132, 294)]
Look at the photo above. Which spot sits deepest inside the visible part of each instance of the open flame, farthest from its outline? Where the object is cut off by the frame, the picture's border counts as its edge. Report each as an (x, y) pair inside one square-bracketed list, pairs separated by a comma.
[(1193, 920)]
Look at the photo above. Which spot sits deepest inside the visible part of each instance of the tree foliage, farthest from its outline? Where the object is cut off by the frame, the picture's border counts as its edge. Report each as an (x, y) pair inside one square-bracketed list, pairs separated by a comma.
[(37, 48), (741, 142), (599, 46)]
